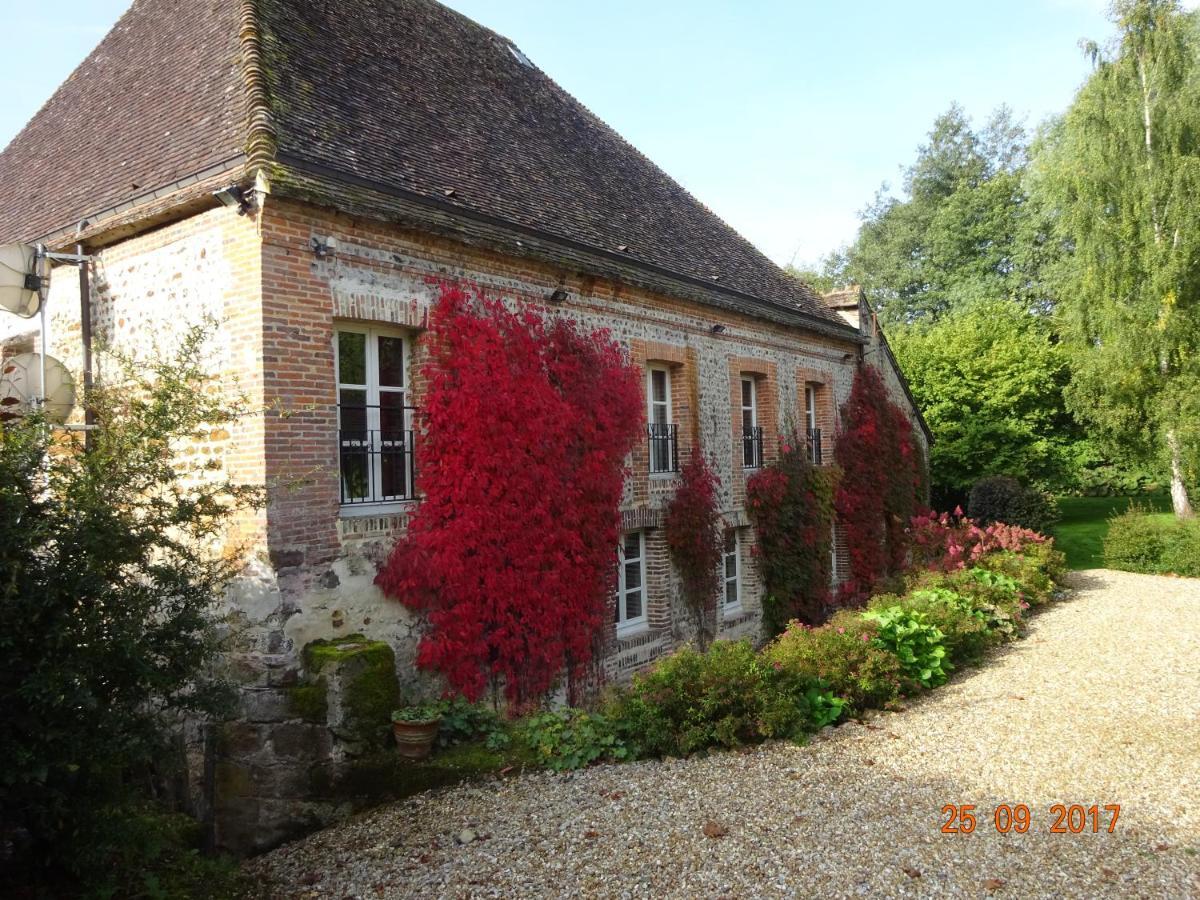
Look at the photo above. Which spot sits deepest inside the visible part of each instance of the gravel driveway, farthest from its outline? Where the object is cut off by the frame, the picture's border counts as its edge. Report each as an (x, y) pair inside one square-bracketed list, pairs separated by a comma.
[(1100, 704)]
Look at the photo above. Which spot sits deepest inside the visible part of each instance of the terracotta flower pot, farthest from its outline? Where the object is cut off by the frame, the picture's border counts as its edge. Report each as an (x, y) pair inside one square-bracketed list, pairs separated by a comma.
[(415, 739)]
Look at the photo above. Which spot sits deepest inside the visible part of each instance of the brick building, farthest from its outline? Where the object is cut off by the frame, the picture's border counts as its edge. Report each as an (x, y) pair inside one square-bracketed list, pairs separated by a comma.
[(366, 146)]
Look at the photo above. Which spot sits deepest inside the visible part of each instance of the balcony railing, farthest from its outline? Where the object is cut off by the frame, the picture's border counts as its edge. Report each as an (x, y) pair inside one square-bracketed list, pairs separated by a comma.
[(814, 446), (376, 454), (752, 447), (664, 448)]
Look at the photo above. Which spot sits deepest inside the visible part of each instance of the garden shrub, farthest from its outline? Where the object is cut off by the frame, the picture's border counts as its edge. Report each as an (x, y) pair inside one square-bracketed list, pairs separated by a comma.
[(691, 526), (464, 722), (571, 739), (113, 581), (791, 504), (949, 541), (999, 498), (1140, 541), (725, 697), (917, 644), (1038, 570), (841, 654)]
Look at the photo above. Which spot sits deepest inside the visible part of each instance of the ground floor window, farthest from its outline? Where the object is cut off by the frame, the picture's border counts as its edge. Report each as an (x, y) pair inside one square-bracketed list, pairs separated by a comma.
[(732, 570), (631, 583)]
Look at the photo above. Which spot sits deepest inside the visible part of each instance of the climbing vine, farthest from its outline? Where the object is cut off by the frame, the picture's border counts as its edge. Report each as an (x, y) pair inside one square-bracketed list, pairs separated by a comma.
[(692, 528), (791, 503), (511, 552), (882, 483)]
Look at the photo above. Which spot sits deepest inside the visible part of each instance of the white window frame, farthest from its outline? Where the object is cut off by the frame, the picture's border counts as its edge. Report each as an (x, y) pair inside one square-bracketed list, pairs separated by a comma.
[(810, 405), (381, 505), (625, 625), (752, 409), (833, 564), (651, 403), (736, 580)]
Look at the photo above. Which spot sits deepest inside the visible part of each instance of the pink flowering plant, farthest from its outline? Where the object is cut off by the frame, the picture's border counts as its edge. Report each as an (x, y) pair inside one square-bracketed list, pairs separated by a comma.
[(947, 542)]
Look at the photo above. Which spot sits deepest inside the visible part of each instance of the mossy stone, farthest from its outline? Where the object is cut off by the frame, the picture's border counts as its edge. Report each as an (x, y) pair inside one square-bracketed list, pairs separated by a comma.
[(354, 687)]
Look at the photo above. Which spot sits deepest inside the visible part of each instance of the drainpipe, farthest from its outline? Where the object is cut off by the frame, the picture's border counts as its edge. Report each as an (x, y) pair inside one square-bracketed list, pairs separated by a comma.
[(85, 329)]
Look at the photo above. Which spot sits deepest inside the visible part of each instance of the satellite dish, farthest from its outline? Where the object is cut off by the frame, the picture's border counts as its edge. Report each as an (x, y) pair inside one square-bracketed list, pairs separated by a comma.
[(21, 388), (20, 279)]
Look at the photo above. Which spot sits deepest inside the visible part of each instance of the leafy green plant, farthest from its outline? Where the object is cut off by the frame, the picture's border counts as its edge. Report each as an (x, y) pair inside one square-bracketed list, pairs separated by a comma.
[(571, 739), (419, 713), (466, 722), (918, 645)]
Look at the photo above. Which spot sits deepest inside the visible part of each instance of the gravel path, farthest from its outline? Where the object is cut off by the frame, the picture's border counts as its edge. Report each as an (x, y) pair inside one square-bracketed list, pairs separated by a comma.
[(1100, 704)]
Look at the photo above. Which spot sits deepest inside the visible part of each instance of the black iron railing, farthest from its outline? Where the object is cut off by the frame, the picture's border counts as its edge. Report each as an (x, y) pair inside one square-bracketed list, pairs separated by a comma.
[(664, 448), (752, 447), (814, 446), (376, 454)]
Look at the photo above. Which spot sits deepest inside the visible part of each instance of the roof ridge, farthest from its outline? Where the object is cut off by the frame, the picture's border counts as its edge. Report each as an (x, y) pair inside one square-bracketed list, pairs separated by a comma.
[(262, 140)]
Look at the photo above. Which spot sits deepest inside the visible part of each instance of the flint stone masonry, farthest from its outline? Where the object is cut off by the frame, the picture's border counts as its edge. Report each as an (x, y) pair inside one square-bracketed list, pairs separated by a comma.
[(311, 566)]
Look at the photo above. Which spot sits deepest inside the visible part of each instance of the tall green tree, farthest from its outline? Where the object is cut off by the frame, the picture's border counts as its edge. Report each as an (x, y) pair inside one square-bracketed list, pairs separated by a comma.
[(963, 230), (989, 378), (1122, 174)]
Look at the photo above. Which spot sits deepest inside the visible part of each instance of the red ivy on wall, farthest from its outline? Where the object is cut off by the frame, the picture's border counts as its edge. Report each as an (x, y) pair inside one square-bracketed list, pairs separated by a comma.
[(881, 486), (692, 526), (512, 551), (791, 503)]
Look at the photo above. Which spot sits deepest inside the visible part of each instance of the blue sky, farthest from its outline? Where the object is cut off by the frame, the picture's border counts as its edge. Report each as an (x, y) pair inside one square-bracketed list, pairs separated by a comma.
[(784, 117)]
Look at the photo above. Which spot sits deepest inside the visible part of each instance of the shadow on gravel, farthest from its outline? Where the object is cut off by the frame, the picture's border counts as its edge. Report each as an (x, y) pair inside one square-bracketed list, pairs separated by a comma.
[(1087, 580)]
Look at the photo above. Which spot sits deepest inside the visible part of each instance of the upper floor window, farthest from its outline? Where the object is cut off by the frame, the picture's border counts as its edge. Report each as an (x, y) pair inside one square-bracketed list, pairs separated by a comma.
[(812, 432), (732, 570), (752, 434), (631, 583), (375, 421), (662, 432)]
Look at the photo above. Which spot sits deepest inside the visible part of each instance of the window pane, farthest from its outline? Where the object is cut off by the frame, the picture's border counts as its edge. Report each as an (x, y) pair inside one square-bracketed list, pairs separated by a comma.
[(731, 566), (731, 593), (352, 357), (391, 361), (391, 415), (730, 540), (633, 545), (660, 414), (747, 419), (658, 386), (747, 392), (633, 605), (633, 575), (352, 411)]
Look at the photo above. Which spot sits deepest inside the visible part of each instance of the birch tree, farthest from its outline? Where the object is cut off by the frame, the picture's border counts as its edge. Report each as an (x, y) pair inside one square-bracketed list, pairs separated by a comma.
[(1122, 172)]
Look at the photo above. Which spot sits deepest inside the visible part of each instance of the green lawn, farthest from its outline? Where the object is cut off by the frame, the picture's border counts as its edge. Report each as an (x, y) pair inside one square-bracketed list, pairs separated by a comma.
[(1080, 533)]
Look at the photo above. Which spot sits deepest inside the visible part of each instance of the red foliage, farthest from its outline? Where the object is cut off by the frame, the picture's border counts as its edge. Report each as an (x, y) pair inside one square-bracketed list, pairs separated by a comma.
[(881, 485), (791, 503), (694, 538), (952, 541), (511, 553)]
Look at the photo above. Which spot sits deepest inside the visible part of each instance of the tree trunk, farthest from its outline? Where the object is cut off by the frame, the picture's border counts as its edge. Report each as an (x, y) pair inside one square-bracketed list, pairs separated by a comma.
[(1179, 494)]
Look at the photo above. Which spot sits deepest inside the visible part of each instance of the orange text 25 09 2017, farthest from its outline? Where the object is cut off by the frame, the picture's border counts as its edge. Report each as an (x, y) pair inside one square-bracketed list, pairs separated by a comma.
[(1063, 818)]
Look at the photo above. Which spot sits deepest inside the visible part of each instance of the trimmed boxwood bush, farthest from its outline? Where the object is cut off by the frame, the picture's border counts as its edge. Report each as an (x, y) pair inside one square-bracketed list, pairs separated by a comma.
[(999, 498)]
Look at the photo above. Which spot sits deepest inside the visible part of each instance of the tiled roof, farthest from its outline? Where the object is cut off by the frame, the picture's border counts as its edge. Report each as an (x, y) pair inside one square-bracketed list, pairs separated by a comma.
[(160, 98), (345, 100)]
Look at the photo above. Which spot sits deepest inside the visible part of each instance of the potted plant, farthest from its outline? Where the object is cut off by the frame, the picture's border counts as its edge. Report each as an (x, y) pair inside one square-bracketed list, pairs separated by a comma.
[(416, 728)]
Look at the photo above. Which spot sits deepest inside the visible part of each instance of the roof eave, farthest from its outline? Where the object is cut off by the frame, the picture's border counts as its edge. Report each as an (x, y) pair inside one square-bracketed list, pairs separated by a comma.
[(353, 195)]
